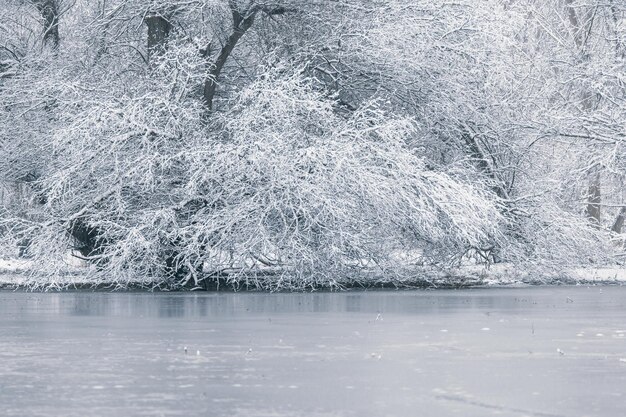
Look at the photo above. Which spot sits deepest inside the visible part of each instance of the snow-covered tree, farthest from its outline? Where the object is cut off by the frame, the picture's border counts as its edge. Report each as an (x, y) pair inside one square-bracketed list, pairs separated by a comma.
[(295, 143)]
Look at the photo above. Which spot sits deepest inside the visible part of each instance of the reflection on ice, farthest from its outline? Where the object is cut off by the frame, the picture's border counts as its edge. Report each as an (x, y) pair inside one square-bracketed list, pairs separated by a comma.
[(443, 353)]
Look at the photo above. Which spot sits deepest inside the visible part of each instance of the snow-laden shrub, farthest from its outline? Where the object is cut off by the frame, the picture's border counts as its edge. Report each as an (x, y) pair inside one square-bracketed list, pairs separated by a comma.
[(279, 192), (292, 184), (286, 188)]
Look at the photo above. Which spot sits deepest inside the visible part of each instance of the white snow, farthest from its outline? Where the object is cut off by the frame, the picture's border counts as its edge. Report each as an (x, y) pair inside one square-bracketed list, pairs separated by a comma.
[(16, 272)]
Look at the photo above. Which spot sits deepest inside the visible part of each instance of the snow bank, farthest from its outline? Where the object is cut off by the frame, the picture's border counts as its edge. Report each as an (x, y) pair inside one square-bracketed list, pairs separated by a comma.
[(14, 265), (22, 273)]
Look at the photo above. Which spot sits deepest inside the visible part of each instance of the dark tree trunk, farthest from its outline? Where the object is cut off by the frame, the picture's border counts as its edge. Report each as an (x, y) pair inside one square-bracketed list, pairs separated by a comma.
[(87, 238), (240, 26), (49, 10), (158, 31), (242, 21), (619, 221), (574, 22), (175, 269), (619, 43), (483, 164), (594, 199)]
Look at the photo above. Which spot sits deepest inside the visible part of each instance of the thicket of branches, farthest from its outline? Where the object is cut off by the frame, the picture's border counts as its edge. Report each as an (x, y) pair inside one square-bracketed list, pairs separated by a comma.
[(291, 144)]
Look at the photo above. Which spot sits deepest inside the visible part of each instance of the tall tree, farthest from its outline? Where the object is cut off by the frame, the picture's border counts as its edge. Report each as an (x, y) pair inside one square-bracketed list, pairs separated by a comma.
[(581, 21)]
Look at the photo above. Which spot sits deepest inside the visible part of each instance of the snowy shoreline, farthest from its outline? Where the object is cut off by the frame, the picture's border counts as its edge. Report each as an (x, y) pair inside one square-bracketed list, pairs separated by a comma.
[(16, 274)]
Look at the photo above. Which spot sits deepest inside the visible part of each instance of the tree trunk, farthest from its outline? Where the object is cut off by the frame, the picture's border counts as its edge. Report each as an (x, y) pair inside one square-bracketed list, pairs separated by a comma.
[(158, 32), (483, 163), (619, 221), (242, 21), (240, 26), (87, 238), (619, 43), (594, 199), (49, 10)]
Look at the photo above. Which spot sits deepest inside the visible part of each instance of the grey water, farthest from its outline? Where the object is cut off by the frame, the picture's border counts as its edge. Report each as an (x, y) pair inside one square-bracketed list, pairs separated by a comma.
[(537, 351)]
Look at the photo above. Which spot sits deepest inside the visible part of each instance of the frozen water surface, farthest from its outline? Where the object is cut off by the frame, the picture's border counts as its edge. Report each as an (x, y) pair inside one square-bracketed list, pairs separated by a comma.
[(541, 351)]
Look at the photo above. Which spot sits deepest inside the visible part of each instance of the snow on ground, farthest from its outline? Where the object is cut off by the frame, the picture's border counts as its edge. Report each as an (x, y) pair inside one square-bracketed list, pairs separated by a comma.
[(507, 274), (16, 273), (12, 266), (600, 274), (22, 273)]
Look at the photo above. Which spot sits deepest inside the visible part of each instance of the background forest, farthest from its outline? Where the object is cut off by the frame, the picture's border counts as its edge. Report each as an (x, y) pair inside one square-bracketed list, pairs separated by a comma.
[(293, 144)]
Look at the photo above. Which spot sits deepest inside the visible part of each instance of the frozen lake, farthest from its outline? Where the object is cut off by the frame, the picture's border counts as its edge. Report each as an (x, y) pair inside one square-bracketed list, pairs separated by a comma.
[(541, 351)]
